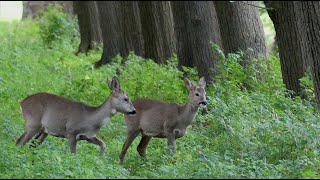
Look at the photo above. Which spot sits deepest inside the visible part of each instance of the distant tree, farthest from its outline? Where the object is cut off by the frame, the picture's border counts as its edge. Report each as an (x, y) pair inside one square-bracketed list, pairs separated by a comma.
[(33, 8), (195, 25), (241, 28), (157, 29), (291, 39), (121, 29), (89, 25)]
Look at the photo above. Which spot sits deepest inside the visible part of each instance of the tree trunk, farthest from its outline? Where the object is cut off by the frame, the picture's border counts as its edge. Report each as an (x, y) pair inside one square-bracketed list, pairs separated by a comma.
[(121, 28), (157, 29), (195, 25), (33, 8), (89, 27), (311, 11), (291, 39), (132, 39), (96, 34), (241, 28), (110, 27)]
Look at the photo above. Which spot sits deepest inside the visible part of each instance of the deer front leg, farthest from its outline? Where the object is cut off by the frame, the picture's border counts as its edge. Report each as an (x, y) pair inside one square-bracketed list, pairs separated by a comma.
[(72, 143), (131, 136), (171, 143)]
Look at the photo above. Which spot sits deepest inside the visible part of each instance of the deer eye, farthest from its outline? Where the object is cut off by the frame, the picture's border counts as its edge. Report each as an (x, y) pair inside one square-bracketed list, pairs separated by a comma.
[(126, 99), (197, 94)]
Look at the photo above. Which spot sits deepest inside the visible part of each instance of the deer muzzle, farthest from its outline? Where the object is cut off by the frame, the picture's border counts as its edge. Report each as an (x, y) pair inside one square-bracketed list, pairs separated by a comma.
[(132, 112)]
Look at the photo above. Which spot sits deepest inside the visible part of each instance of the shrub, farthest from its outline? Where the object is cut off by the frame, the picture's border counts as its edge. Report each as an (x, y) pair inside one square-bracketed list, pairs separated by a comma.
[(57, 27)]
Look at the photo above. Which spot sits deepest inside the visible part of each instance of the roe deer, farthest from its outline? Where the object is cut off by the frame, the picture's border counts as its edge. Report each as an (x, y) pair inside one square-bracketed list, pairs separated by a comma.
[(51, 114), (159, 119)]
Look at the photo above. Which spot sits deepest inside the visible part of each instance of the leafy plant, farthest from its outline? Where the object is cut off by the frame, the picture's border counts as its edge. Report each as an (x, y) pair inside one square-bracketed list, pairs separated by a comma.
[(56, 27)]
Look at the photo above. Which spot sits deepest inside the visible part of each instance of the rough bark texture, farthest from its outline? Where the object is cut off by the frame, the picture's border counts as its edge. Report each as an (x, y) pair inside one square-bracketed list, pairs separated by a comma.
[(195, 25), (33, 8), (241, 28), (157, 29), (291, 39), (132, 39), (121, 28), (311, 11), (89, 25), (110, 28)]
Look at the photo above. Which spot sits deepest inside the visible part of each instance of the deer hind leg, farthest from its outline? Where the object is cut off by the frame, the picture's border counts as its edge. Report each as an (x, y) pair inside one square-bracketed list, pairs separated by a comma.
[(97, 141), (143, 145), (33, 126), (18, 142), (39, 138), (26, 136), (131, 136), (42, 137)]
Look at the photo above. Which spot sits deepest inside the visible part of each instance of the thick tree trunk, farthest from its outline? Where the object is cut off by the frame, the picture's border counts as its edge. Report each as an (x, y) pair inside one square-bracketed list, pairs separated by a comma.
[(311, 11), (110, 27), (33, 8), (195, 25), (96, 34), (291, 39), (157, 29), (121, 28), (89, 26), (241, 28), (132, 39)]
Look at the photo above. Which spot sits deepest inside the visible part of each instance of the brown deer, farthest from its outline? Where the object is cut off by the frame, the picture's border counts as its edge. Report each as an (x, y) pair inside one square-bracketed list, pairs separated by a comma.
[(159, 119), (51, 114)]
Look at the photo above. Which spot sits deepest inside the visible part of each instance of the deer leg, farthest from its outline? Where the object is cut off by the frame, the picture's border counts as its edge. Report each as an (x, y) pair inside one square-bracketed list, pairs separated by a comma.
[(34, 143), (97, 141), (143, 145), (73, 143), (18, 142), (25, 137), (39, 138), (131, 136), (171, 143), (42, 137)]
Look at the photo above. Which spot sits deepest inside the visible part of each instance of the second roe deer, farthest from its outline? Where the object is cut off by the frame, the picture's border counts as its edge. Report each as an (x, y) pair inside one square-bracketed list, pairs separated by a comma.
[(46, 113), (159, 119)]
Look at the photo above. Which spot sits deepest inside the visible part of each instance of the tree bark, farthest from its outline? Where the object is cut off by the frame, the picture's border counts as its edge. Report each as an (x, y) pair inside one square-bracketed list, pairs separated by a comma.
[(157, 29), (195, 25), (241, 28), (311, 16), (89, 26), (121, 28), (132, 39), (33, 8), (292, 41)]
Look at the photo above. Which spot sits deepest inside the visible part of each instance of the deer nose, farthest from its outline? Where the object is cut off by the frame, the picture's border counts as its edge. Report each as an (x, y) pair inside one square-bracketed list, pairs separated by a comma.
[(203, 102), (133, 112)]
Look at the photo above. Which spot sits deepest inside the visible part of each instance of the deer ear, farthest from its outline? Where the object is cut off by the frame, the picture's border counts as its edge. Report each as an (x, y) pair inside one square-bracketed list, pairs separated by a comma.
[(188, 82), (114, 84), (202, 82)]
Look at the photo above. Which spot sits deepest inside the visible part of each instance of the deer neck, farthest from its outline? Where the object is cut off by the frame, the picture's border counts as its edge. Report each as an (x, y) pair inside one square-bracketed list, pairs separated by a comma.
[(189, 112), (104, 112)]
